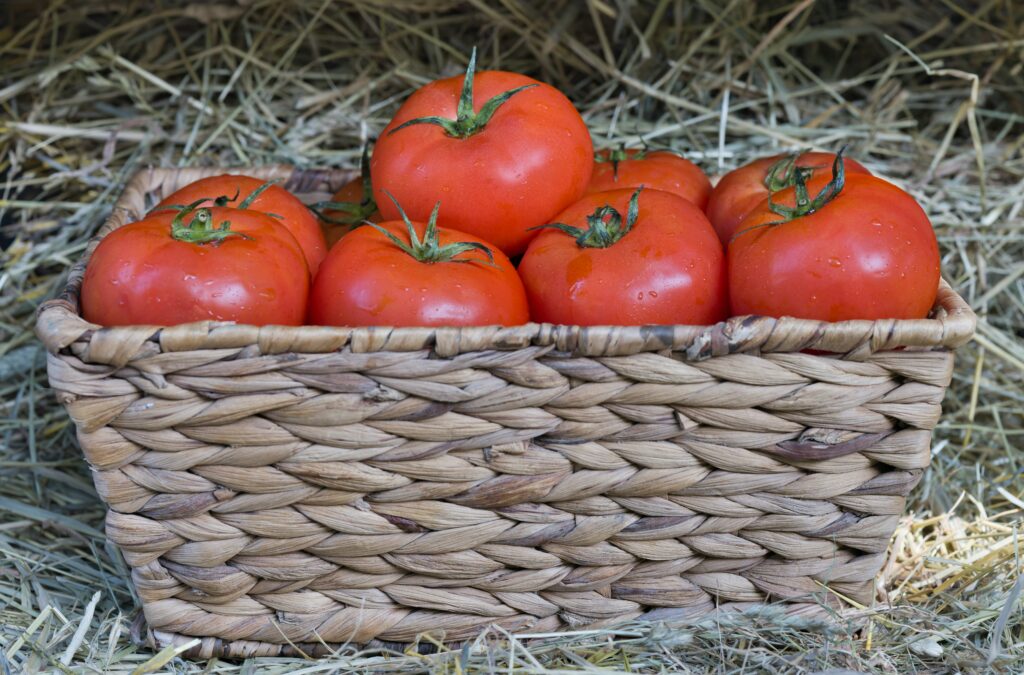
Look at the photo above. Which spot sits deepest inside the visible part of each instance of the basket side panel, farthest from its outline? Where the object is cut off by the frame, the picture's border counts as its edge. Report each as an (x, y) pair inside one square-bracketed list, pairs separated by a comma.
[(267, 499)]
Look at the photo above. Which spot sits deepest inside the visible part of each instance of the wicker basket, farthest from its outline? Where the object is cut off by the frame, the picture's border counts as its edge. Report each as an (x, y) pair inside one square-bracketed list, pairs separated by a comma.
[(279, 488)]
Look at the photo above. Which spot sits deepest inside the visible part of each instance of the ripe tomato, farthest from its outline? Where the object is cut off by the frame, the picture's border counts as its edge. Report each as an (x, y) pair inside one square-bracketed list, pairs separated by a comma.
[(626, 258), (400, 273), (868, 252), (657, 170), (506, 154), (237, 191), (741, 190), (350, 206), (196, 264)]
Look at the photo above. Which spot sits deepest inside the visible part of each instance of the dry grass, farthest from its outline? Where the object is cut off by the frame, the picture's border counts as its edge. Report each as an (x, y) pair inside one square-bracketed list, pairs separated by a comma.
[(89, 93)]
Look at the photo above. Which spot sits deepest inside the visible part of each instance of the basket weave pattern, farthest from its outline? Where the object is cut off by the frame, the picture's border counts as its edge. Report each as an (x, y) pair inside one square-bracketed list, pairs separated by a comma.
[(272, 488)]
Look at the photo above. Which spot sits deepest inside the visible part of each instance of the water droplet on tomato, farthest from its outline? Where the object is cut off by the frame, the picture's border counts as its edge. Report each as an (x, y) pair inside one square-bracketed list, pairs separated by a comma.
[(188, 277), (835, 262), (653, 294), (640, 296)]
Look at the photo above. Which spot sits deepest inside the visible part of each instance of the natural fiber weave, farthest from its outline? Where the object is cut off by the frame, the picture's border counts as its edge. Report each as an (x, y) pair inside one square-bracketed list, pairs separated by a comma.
[(283, 488)]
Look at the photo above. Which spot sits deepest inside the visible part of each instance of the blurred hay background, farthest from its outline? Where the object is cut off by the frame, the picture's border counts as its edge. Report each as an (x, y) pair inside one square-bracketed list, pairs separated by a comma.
[(926, 94)]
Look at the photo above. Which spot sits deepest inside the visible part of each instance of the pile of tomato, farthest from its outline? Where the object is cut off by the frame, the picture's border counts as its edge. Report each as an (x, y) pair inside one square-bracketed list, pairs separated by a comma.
[(484, 204)]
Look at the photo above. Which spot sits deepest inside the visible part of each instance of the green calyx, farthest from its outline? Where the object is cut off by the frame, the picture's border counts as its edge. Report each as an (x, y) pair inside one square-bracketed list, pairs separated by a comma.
[(604, 225), (356, 212), (616, 155), (225, 200), (467, 122), (429, 249), (784, 173), (805, 205), (200, 228)]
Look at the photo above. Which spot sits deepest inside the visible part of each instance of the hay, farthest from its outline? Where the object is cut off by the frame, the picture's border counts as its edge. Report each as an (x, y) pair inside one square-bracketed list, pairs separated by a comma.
[(89, 93)]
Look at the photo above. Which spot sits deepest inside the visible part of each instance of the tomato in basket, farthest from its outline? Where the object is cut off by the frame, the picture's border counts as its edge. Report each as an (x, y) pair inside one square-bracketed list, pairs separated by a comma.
[(247, 192), (405, 273), (196, 264), (836, 248), (655, 169), (626, 257), (501, 150), (350, 207), (741, 190)]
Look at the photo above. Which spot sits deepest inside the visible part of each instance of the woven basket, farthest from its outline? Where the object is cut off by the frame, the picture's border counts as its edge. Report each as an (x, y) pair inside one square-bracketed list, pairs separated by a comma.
[(276, 489)]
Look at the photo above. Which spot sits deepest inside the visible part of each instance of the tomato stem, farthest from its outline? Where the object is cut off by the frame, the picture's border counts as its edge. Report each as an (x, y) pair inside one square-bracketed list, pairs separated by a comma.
[(783, 173), (200, 228), (357, 212), (467, 122), (604, 225), (804, 204), (429, 249), (224, 200), (620, 154)]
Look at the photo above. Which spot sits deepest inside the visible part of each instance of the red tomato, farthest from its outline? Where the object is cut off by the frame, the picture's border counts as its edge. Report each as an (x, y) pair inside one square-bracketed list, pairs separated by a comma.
[(868, 253), (274, 199), (410, 274), (658, 170), (520, 158), (741, 190), (179, 267), (610, 264)]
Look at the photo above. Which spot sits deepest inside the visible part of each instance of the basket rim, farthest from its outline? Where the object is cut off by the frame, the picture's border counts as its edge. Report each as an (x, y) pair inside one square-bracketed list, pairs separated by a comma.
[(59, 324)]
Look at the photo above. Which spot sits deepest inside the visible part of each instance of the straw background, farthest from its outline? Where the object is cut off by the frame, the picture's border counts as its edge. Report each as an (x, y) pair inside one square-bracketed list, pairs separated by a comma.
[(91, 91)]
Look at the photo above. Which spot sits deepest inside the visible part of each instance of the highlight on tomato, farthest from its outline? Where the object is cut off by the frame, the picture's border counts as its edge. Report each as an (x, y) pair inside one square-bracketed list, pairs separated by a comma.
[(246, 192), (743, 189), (405, 273), (195, 264), (860, 248), (626, 258), (351, 206), (654, 169), (503, 151)]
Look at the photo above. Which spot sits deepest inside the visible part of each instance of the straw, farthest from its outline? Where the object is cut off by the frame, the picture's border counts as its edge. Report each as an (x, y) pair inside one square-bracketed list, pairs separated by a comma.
[(91, 91)]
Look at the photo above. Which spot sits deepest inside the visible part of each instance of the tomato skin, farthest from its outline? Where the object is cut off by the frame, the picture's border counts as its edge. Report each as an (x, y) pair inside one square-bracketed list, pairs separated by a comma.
[(351, 192), (368, 281), (275, 199), (532, 159), (870, 253), (659, 170), (740, 191), (139, 274), (669, 269)]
